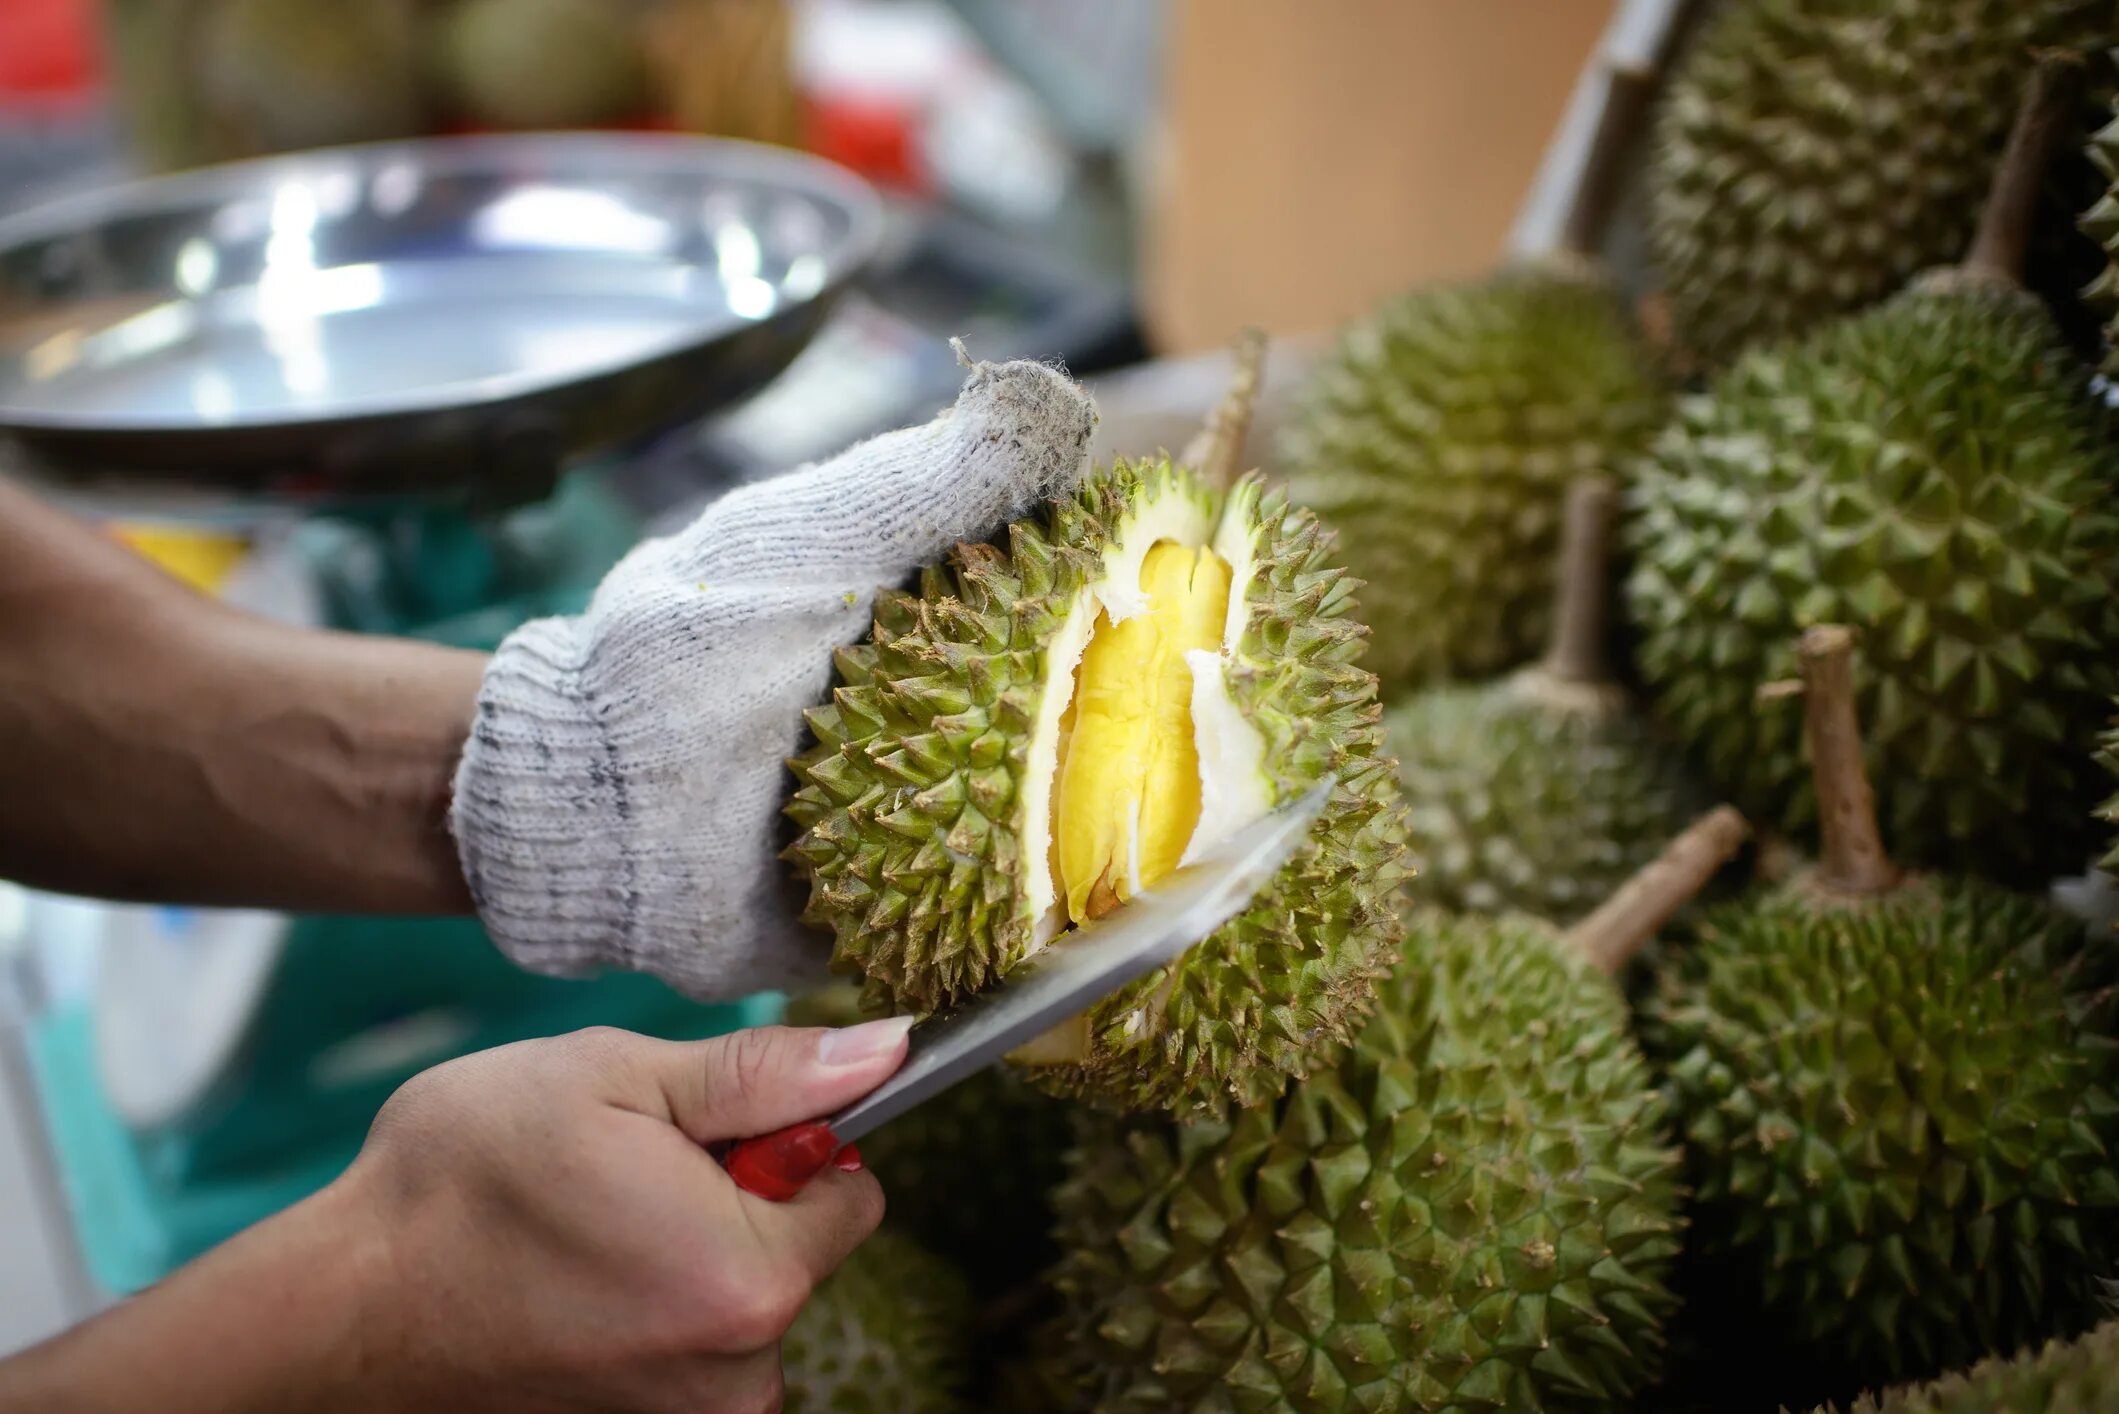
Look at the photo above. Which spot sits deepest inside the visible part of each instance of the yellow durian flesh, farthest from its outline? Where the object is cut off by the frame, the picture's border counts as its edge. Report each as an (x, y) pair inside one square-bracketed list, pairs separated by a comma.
[(1129, 790)]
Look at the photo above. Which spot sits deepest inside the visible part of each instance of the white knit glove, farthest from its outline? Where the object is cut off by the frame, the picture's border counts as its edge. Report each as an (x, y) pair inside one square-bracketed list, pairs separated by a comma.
[(618, 802)]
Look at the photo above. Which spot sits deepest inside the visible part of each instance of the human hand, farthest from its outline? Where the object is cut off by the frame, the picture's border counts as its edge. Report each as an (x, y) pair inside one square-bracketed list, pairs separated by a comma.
[(618, 802), (556, 1236)]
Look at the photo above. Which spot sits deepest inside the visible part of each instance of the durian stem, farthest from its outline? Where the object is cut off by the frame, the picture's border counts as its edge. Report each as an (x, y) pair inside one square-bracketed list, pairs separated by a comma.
[(1213, 450), (1581, 590), (1625, 922), (1854, 862), (2004, 238)]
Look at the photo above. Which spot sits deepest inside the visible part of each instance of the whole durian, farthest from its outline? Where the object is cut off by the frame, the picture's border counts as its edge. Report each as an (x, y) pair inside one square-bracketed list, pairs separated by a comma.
[(889, 1332), (1937, 473), (1476, 1209), (1439, 437), (1541, 793), (543, 63), (2079, 1376), (2101, 222), (1811, 156), (1040, 730), (1898, 1095)]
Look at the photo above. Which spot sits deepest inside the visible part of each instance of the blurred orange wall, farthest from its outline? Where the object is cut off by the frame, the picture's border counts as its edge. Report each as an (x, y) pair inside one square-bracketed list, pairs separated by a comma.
[(1316, 155)]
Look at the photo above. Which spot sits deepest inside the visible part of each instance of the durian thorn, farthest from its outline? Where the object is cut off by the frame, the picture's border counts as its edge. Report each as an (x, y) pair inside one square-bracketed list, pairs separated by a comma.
[(1581, 589), (1213, 450), (1625, 922), (2005, 222), (1853, 862)]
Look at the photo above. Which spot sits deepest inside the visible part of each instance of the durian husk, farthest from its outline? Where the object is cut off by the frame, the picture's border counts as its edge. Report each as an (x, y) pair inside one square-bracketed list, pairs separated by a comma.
[(2079, 1376), (1477, 1208), (889, 1332), (1897, 1114), (1812, 156), (911, 845), (1439, 437), (1937, 474)]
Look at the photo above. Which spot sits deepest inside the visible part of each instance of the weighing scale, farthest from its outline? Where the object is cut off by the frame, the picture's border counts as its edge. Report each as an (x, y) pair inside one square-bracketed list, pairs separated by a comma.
[(431, 388)]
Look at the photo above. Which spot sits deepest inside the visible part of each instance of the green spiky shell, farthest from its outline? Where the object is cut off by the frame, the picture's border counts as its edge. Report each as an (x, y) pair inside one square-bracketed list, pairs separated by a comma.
[(889, 1332), (1523, 799), (1899, 1117), (911, 848), (2079, 1376), (1439, 437), (543, 63), (1935, 474), (2108, 757), (2101, 222), (1475, 1210), (1811, 156)]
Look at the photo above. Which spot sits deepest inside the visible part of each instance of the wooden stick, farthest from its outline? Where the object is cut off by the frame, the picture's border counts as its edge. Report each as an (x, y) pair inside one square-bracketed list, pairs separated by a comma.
[(1854, 862), (1625, 922), (1213, 450), (1581, 588), (2005, 222)]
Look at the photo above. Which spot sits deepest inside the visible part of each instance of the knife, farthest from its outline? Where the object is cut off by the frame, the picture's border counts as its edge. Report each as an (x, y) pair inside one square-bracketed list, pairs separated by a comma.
[(1081, 968)]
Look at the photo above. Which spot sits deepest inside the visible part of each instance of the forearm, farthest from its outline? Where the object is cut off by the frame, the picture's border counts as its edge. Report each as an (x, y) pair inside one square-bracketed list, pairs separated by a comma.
[(280, 1317), (156, 745)]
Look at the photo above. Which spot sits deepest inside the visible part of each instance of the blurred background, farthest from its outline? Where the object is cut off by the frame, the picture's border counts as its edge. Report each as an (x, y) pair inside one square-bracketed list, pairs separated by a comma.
[(1119, 184)]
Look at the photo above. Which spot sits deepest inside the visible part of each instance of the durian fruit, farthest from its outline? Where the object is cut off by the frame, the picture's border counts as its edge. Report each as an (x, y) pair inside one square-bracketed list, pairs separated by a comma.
[(280, 75), (1543, 792), (1039, 731), (543, 63), (1476, 1209), (2108, 757), (2078, 1376), (887, 1333), (1439, 437), (1811, 156), (967, 1172), (1899, 1095), (1938, 473), (2101, 222)]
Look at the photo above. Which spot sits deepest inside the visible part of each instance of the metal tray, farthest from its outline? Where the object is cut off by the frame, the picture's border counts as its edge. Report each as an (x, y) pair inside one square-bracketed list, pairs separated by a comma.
[(414, 318)]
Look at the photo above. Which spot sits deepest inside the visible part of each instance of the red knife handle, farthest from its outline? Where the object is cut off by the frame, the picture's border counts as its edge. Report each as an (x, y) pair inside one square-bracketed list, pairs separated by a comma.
[(779, 1165)]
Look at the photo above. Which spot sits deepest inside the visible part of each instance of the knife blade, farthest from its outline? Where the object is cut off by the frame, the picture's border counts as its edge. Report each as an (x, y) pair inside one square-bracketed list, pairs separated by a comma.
[(1153, 928)]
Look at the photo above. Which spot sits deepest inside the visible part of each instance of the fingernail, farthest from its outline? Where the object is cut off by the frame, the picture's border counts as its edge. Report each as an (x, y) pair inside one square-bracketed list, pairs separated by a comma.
[(849, 1160), (851, 1045)]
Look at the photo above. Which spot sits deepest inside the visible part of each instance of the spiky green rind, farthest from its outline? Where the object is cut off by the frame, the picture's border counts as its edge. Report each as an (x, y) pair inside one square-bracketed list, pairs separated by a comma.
[(2108, 757), (887, 1333), (2079, 1376), (1439, 436), (1899, 1118), (1934, 474), (1475, 1210), (1516, 804), (969, 1171), (2101, 224), (907, 805), (1811, 156)]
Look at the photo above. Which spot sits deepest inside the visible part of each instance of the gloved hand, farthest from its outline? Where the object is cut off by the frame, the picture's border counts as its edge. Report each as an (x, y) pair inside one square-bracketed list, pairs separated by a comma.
[(618, 802)]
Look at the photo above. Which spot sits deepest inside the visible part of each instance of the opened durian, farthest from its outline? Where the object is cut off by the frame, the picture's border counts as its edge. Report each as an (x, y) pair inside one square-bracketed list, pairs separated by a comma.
[(1543, 792), (1439, 438), (1040, 731), (1899, 1095), (889, 1332), (1476, 1209), (543, 63), (2079, 1376), (1937, 473), (1812, 156)]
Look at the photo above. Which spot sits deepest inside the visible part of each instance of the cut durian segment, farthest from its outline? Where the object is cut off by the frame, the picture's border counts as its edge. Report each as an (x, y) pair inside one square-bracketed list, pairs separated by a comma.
[(1130, 782)]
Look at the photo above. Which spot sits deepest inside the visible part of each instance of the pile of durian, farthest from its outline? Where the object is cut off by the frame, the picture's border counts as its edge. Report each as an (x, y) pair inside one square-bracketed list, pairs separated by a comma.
[(1672, 1009)]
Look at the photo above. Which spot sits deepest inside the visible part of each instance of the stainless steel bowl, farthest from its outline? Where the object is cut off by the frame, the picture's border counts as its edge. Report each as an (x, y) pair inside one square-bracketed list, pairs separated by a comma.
[(414, 318)]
